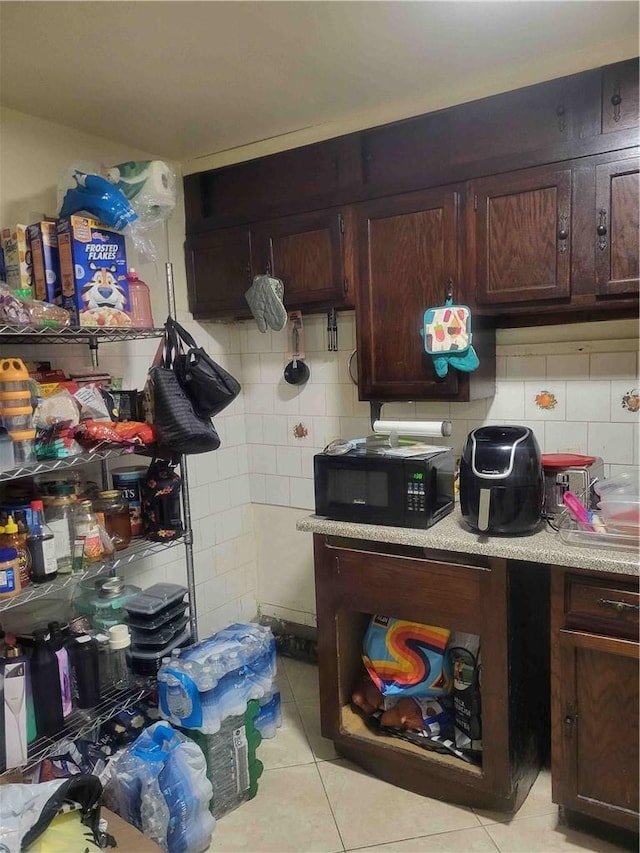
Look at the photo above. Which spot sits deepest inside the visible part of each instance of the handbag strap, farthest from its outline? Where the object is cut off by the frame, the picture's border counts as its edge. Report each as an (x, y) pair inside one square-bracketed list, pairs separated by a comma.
[(180, 334)]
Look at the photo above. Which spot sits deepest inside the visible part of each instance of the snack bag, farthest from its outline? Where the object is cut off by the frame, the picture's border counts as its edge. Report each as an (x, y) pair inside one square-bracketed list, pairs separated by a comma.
[(407, 658)]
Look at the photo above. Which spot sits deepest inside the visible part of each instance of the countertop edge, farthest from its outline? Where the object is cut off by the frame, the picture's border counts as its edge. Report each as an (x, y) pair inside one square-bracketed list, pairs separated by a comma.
[(451, 534)]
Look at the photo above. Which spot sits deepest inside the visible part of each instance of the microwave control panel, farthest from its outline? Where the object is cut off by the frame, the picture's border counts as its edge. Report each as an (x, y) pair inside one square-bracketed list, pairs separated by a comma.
[(416, 490)]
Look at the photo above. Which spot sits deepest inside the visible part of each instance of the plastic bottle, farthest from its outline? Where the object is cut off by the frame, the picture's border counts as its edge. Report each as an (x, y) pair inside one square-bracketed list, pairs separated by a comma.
[(42, 547), (119, 645), (45, 679), (232, 766), (104, 662), (140, 301), (56, 642), (9, 573), (15, 653), (85, 679), (14, 537)]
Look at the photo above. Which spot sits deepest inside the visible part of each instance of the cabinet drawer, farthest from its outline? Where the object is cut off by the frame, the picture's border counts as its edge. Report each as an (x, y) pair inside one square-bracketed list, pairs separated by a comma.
[(606, 607), (419, 590)]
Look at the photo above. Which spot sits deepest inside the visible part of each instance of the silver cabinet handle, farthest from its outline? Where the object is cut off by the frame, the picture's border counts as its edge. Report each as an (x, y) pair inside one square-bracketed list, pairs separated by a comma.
[(617, 605)]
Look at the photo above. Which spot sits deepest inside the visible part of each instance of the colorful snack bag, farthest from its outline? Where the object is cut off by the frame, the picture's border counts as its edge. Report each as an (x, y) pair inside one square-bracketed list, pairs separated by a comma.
[(407, 658)]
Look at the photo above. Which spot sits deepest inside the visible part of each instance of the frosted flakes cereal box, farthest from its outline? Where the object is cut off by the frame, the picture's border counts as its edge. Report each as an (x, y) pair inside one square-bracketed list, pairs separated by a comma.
[(17, 257), (93, 266), (43, 238)]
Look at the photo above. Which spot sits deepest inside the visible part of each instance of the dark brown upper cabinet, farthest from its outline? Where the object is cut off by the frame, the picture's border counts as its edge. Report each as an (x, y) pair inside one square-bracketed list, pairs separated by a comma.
[(520, 235), (407, 256), (306, 178), (616, 227), (308, 253), (219, 271), (620, 109)]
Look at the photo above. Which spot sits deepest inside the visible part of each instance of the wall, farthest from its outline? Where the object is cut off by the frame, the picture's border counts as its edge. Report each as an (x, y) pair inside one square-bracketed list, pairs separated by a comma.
[(573, 385), (33, 155)]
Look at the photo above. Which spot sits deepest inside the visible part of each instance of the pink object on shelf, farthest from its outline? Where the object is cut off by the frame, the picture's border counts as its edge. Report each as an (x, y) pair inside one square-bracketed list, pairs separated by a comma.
[(140, 302)]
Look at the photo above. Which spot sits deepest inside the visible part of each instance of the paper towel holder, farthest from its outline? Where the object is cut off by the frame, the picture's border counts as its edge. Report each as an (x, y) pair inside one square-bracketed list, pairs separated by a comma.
[(400, 428)]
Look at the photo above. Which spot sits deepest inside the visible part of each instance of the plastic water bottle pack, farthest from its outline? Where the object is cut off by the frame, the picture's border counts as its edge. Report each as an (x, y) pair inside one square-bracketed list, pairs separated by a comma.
[(202, 685)]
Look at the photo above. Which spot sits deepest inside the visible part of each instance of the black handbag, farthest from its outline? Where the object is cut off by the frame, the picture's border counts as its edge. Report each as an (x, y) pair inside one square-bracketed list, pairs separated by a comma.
[(208, 385), (179, 429)]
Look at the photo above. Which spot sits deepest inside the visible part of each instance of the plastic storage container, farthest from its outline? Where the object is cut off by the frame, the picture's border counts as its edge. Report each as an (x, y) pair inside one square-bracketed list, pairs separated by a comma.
[(7, 456), (626, 483), (148, 663), (156, 601), (162, 619), (119, 655), (621, 514), (160, 637)]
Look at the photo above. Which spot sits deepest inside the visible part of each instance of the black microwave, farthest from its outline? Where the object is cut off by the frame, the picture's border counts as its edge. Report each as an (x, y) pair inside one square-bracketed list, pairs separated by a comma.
[(370, 487)]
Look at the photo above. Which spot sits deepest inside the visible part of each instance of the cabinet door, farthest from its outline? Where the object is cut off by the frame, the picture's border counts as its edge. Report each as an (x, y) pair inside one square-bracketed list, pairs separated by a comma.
[(306, 252), (616, 226), (306, 178), (407, 252), (599, 718), (219, 272), (620, 97), (522, 229)]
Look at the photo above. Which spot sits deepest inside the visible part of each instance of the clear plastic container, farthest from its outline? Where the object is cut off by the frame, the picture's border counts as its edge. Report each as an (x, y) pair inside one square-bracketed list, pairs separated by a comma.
[(571, 533), (627, 483), (622, 515), (7, 457), (107, 608)]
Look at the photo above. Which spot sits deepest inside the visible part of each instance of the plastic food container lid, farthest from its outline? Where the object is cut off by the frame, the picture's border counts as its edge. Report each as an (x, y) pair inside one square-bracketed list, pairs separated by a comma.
[(156, 598), (627, 483), (8, 555), (566, 460)]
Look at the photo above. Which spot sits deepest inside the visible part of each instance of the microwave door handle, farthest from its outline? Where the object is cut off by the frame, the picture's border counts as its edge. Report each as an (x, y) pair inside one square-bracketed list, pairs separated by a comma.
[(483, 509)]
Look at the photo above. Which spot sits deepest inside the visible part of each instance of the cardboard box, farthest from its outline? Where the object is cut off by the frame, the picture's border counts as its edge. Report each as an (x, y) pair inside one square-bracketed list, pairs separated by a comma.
[(93, 268), (17, 257), (43, 238)]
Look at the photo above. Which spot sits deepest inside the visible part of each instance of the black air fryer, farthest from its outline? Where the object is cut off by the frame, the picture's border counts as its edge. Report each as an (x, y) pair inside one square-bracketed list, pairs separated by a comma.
[(501, 480)]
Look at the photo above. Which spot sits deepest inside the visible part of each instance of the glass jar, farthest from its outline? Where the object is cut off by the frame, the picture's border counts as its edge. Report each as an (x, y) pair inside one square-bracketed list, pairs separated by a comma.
[(112, 511), (58, 513), (87, 544)]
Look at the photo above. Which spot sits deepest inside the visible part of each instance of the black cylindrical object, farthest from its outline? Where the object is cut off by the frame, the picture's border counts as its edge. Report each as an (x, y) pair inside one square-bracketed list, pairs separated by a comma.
[(45, 684), (85, 681), (501, 480)]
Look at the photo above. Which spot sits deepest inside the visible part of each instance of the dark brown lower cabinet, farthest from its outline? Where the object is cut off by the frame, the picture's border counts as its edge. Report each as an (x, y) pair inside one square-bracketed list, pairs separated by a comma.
[(594, 697), (507, 606)]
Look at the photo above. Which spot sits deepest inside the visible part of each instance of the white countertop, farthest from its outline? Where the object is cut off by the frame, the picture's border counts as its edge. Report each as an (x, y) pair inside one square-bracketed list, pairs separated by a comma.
[(452, 534)]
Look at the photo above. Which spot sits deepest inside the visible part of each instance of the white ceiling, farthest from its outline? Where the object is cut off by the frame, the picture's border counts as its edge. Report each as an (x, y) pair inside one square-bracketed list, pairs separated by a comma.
[(186, 79)]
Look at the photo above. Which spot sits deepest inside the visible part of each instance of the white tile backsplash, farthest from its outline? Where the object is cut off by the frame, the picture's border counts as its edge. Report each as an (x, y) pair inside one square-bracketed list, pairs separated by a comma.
[(545, 400), (613, 365), (613, 442), (588, 400)]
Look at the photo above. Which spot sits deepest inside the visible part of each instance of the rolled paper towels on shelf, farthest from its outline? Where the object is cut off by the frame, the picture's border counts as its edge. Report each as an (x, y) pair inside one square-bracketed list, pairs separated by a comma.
[(417, 428)]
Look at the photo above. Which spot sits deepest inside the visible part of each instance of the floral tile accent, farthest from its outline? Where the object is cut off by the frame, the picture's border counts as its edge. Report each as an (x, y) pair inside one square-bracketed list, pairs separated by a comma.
[(546, 400), (631, 400), (300, 431)]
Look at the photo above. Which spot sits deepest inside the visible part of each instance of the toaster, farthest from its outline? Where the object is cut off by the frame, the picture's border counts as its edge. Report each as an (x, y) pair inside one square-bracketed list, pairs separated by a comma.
[(568, 472)]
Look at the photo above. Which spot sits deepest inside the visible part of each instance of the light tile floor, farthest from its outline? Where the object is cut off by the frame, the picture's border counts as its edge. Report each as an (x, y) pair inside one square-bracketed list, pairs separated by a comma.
[(311, 800)]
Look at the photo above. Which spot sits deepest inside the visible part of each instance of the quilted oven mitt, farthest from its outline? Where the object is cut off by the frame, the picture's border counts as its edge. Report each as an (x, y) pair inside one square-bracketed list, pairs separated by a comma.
[(265, 300), (446, 332)]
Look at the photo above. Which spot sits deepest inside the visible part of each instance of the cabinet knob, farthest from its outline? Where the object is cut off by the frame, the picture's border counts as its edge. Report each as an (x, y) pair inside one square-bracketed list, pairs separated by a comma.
[(563, 233), (616, 100), (601, 229), (569, 723)]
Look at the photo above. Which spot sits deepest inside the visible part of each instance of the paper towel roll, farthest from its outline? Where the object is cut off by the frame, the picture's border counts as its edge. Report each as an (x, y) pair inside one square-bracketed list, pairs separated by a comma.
[(417, 428)]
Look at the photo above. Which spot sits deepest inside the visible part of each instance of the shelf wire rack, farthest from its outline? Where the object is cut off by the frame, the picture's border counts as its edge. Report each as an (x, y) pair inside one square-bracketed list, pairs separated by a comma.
[(72, 334), (80, 722), (138, 550)]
